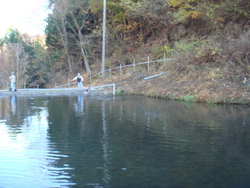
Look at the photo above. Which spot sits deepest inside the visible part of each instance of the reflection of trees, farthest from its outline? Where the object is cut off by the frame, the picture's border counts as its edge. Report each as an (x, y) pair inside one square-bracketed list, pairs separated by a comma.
[(15, 110), (188, 131), (79, 137), (149, 141), (28, 142)]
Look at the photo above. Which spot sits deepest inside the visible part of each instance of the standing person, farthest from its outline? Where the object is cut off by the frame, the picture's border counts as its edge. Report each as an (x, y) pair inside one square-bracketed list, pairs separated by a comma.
[(79, 79), (13, 82)]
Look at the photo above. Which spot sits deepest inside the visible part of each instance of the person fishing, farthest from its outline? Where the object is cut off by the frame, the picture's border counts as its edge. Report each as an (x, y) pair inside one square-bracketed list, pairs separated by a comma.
[(12, 82), (79, 79)]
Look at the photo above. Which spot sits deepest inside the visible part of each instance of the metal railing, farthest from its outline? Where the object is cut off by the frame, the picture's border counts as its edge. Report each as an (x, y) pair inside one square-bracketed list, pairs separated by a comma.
[(132, 65), (108, 85), (116, 68)]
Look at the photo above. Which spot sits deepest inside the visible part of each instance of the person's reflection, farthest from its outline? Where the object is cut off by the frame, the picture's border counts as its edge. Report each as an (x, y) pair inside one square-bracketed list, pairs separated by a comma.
[(12, 118), (13, 104), (79, 107)]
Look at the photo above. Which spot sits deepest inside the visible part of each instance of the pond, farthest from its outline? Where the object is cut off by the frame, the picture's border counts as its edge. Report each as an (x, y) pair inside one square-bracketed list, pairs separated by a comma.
[(122, 142)]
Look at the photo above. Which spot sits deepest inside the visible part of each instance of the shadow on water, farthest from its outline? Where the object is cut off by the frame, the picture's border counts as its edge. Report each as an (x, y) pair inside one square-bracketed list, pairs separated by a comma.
[(122, 141)]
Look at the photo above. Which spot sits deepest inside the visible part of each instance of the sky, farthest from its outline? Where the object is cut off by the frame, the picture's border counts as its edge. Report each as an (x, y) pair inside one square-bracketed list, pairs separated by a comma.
[(28, 16)]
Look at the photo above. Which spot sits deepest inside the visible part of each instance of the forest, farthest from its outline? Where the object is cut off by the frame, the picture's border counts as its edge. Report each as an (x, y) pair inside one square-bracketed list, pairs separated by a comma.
[(209, 34)]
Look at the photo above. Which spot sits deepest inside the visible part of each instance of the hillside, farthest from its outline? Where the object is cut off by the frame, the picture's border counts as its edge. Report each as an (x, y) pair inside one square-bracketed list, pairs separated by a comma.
[(201, 85), (224, 90), (209, 69), (208, 39)]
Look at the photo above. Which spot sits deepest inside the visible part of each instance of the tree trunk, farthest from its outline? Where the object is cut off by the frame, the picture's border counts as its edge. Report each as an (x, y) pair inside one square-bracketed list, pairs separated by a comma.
[(84, 52), (64, 40)]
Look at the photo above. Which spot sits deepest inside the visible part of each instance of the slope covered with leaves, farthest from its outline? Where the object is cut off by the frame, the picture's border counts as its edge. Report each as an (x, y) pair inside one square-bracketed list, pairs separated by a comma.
[(208, 39), (193, 31)]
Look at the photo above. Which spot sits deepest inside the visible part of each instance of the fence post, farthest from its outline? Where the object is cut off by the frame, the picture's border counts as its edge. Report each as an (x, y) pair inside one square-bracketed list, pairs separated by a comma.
[(90, 77), (134, 64), (148, 64), (113, 89)]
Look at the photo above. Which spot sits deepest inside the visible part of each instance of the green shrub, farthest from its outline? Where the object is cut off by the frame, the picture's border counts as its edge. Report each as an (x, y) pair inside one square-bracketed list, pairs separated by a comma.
[(188, 98), (121, 92)]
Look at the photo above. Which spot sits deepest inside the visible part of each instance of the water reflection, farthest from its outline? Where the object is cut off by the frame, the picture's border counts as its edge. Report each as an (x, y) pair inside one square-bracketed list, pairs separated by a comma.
[(79, 106), (126, 141), (13, 104), (27, 157), (105, 146)]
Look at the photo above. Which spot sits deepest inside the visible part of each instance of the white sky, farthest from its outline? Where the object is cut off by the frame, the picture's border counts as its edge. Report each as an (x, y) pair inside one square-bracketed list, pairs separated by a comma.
[(26, 15)]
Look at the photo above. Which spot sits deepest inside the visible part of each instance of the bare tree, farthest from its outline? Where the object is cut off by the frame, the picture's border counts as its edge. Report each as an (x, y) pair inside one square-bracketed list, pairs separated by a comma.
[(59, 16), (79, 18), (14, 59), (70, 18)]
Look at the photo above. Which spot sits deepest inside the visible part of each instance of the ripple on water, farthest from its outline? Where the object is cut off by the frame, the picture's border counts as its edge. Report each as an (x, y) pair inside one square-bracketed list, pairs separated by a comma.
[(24, 160), (24, 169)]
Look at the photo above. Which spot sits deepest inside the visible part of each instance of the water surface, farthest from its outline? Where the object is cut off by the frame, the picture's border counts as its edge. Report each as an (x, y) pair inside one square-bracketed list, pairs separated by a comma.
[(122, 141)]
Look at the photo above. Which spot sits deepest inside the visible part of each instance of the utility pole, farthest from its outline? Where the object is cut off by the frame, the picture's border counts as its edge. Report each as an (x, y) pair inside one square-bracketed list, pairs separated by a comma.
[(17, 63), (103, 37)]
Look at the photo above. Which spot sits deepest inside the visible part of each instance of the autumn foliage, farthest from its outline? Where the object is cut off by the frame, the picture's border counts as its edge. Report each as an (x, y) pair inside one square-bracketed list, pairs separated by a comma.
[(194, 31)]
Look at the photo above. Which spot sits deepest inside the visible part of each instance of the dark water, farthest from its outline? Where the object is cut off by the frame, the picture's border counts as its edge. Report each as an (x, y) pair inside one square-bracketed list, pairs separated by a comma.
[(126, 141)]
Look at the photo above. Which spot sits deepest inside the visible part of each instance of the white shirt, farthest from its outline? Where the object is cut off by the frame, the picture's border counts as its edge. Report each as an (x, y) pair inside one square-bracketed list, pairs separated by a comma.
[(12, 78), (78, 76)]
